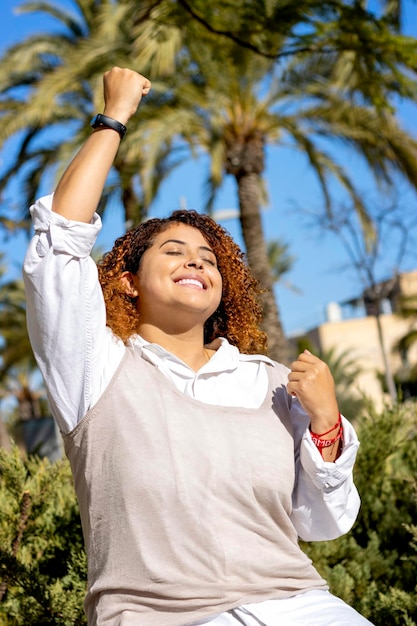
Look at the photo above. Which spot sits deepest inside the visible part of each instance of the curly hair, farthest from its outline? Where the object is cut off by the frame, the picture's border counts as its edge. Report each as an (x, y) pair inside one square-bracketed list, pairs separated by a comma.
[(239, 313)]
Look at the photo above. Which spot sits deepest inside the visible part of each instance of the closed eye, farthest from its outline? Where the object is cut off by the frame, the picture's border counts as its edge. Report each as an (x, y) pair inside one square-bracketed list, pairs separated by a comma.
[(210, 262)]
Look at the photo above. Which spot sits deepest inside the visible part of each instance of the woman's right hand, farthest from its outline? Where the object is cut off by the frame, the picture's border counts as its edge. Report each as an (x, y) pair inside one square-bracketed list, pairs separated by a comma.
[(123, 91), (81, 186)]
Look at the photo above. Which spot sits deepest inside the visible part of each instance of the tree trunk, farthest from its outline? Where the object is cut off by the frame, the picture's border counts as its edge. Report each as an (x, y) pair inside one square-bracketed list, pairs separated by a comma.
[(131, 206), (134, 211), (245, 160), (389, 379), (257, 255)]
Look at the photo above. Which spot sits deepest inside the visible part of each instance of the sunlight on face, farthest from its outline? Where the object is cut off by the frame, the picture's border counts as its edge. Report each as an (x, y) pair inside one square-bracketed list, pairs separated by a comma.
[(178, 277)]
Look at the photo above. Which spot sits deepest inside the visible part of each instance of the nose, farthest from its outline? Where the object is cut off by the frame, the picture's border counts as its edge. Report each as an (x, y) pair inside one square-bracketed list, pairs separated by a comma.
[(194, 261)]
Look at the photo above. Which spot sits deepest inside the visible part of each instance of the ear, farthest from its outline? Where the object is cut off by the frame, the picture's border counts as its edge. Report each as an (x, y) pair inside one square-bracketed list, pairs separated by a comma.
[(128, 282)]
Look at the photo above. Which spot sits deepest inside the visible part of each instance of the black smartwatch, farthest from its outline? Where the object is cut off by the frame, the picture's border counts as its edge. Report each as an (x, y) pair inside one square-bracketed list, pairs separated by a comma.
[(103, 121)]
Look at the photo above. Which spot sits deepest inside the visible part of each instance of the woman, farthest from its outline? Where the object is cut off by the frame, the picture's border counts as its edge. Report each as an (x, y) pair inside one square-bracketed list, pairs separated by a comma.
[(197, 461)]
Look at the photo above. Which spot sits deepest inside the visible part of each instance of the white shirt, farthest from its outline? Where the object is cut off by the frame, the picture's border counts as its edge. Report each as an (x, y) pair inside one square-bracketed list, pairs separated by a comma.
[(78, 355)]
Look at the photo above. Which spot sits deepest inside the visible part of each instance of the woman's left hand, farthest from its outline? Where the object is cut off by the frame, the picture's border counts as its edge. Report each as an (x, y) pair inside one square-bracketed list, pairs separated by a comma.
[(311, 381)]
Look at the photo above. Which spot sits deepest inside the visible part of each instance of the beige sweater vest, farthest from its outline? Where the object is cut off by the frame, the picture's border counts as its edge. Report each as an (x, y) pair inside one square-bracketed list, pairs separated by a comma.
[(185, 506)]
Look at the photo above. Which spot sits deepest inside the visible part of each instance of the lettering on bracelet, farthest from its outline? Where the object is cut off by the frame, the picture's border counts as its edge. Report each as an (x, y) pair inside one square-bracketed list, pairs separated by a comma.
[(325, 443)]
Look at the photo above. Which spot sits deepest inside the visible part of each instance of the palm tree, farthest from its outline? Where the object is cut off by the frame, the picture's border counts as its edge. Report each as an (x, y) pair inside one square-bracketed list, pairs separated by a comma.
[(281, 262), (227, 110), (216, 107), (52, 85)]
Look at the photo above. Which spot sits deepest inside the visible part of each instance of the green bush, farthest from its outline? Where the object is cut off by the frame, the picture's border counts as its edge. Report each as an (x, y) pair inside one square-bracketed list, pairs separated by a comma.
[(42, 558), (373, 568)]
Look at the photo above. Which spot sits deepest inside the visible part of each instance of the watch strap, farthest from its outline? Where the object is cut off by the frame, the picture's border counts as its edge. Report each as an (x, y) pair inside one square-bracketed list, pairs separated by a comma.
[(104, 121)]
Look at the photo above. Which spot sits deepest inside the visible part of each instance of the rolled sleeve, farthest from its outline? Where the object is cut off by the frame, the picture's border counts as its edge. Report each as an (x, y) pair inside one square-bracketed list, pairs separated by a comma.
[(326, 502), (65, 309), (63, 236), (324, 475)]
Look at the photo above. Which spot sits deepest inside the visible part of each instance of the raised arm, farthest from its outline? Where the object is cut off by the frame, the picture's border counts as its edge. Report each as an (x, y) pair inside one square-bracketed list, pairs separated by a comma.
[(79, 190), (65, 308)]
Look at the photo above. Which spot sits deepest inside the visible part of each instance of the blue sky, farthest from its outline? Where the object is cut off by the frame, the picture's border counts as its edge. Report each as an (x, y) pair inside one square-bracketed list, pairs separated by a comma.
[(319, 271)]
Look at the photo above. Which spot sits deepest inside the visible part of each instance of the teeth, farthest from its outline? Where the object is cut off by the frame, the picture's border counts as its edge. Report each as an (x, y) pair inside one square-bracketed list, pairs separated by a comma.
[(190, 281)]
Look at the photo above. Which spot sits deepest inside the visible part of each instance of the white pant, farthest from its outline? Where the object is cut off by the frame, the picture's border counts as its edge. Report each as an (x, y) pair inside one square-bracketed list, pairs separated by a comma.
[(313, 608)]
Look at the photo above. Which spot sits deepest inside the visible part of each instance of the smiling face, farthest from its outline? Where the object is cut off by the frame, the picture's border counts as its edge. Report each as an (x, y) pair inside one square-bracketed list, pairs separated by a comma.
[(178, 281)]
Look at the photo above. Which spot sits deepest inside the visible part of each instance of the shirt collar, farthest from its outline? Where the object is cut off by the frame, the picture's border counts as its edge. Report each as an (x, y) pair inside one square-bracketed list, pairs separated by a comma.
[(226, 358)]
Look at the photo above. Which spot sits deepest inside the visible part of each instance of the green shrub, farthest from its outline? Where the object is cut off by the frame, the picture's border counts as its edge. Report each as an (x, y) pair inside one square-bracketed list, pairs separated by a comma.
[(42, 559), (373, 568)]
